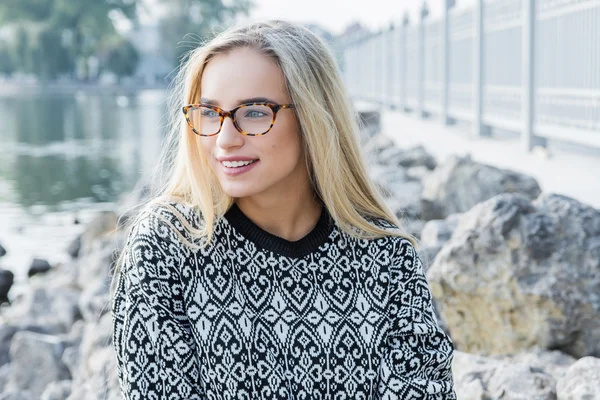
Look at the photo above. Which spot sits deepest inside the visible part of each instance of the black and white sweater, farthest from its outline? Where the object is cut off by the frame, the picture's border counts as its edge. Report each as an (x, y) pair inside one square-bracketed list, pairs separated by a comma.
[(254, 316)]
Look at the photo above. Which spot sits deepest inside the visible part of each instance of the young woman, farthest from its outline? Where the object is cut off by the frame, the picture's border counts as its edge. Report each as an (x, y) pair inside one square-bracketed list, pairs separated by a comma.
[(268, 267)]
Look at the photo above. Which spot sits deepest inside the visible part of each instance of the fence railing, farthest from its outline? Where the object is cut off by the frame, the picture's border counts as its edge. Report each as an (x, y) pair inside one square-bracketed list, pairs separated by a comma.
[(528, 66)]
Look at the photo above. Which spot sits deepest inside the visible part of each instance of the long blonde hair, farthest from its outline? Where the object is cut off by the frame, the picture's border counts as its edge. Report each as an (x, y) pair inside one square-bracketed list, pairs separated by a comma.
[(328, 124)]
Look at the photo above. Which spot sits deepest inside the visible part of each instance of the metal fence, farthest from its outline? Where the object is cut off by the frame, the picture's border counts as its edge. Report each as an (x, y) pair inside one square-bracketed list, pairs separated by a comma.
[(528, 66)]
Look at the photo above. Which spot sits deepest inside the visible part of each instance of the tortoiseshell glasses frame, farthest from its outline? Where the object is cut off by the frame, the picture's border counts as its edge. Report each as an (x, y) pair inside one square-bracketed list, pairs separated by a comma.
[(231, 114)]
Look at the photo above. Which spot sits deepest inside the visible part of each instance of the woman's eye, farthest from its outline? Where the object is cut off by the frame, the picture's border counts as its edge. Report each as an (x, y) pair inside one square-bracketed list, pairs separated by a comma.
[(209, 113), (255, 114)]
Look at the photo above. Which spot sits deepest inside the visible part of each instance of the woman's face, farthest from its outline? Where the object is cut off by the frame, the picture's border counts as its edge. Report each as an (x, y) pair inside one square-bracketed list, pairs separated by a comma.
[(235, 78)]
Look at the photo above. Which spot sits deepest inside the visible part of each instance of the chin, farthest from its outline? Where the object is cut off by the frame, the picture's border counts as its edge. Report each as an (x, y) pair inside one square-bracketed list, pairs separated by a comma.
[(237, 191)]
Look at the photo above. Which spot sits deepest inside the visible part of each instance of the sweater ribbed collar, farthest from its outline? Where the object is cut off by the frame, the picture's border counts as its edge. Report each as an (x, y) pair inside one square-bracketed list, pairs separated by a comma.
[(263, 239)]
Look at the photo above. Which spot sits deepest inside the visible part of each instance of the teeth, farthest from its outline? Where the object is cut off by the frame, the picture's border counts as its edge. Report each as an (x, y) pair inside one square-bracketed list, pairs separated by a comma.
[(235, 164)]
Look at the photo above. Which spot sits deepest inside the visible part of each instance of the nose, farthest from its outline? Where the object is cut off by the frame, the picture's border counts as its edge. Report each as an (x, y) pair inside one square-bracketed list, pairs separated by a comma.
[(229, 136)]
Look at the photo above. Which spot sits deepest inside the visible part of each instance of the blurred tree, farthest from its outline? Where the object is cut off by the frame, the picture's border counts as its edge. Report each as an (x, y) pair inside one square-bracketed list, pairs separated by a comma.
[(189, 22), (22, 55), (120, 56), (6, 59), (52, 57), (73, 28)]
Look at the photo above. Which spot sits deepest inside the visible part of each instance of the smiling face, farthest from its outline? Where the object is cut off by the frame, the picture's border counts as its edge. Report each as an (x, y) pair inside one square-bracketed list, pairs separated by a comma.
[(240, 76)]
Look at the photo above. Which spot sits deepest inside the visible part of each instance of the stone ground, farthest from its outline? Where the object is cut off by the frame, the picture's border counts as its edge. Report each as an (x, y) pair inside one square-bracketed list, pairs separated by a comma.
[(565, 169)]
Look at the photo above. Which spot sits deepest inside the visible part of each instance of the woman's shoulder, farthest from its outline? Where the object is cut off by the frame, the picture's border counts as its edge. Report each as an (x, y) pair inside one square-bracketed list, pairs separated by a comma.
[(167, 218), (396, 238), (396, 232)]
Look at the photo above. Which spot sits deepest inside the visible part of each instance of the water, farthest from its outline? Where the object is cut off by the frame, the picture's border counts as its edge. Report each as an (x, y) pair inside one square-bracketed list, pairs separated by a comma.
[(65, 157)]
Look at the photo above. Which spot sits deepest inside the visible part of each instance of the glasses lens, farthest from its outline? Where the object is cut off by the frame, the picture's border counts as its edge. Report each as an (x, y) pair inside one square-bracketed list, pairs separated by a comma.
[(205, 120), (254, 119)]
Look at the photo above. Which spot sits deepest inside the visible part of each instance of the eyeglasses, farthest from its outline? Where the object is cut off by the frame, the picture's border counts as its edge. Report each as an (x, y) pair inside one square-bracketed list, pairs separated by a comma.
[(251, 119)]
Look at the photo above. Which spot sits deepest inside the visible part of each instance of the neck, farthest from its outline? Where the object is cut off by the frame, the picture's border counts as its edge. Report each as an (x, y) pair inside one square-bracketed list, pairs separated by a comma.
[(289, 217)]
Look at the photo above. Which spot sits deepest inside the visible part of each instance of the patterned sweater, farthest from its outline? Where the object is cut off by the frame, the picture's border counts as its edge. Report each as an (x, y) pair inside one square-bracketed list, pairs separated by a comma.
[(254, 316)]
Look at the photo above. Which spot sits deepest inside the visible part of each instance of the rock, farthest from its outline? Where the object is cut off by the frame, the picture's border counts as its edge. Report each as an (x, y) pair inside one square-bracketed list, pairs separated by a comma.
[(95, 267), (100, 227), (435, 234), (4, 374), (376, 144), (7, 279), (388, 156), (2, 251), (407, 158), (417, 173), (552, 362), (94, 302), (60, 390), (518, 274), (402, 195), (386, 175), (35, 362), (46, 304), (71, 356), (74, 247), (38, 266), (477, 377), (459, 184), (582, 380), (412, 157), (6, 334), (408, 198), (16, 395), (412, 226), (97, 371)]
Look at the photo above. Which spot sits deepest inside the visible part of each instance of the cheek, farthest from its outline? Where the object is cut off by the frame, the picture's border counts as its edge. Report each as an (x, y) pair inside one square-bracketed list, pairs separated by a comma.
[(287, 142), (205, 145), (285, 148)]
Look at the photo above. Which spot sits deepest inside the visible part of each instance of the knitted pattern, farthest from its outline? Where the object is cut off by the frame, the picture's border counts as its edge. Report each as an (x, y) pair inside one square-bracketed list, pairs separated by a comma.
[(253, 316)]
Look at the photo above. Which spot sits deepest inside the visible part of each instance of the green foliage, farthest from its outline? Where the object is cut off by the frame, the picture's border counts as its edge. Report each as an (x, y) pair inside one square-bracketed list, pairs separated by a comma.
[(38, 49), (6, 59), (42, 27), (120, 57), (56, 37)]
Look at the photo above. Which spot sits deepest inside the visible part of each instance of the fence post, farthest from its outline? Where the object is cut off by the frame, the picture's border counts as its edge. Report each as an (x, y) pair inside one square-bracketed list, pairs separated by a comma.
[(528, 138), (383, 67), (421, 69), (373, 69), (390, 50), (403, 62), (446, 120), (479, 80), (362, 71)]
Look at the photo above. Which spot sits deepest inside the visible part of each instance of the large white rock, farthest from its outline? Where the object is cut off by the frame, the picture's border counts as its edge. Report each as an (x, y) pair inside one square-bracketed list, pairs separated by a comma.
[(582, 381), (518, 274), (525, 376)]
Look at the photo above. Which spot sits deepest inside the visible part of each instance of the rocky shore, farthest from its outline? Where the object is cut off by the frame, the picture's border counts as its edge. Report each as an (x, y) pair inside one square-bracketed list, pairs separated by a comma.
[(515, 273)]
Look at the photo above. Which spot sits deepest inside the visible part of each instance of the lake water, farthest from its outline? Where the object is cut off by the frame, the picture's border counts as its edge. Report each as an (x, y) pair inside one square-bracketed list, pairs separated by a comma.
[(65, 157)]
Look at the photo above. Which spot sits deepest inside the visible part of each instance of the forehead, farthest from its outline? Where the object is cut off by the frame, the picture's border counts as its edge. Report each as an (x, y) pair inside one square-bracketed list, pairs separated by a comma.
[(240, 74)]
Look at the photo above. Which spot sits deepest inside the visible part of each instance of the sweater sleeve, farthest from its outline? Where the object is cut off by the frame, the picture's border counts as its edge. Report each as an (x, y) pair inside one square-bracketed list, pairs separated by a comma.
[(156, 353), (417, 361)]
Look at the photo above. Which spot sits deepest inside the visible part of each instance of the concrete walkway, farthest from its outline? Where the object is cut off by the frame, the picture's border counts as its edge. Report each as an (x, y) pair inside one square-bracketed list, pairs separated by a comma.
[(563, 169)]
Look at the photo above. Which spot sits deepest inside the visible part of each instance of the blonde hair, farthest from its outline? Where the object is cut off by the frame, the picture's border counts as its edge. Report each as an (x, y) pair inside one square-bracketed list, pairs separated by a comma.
[(328, 124)]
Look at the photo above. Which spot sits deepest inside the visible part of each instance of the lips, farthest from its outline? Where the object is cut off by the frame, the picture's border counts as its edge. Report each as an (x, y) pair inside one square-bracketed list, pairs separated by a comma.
[(236, 158), (238, 166)]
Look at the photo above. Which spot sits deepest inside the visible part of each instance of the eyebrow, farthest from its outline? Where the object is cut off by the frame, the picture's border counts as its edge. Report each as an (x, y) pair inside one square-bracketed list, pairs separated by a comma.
[(242, 101)]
